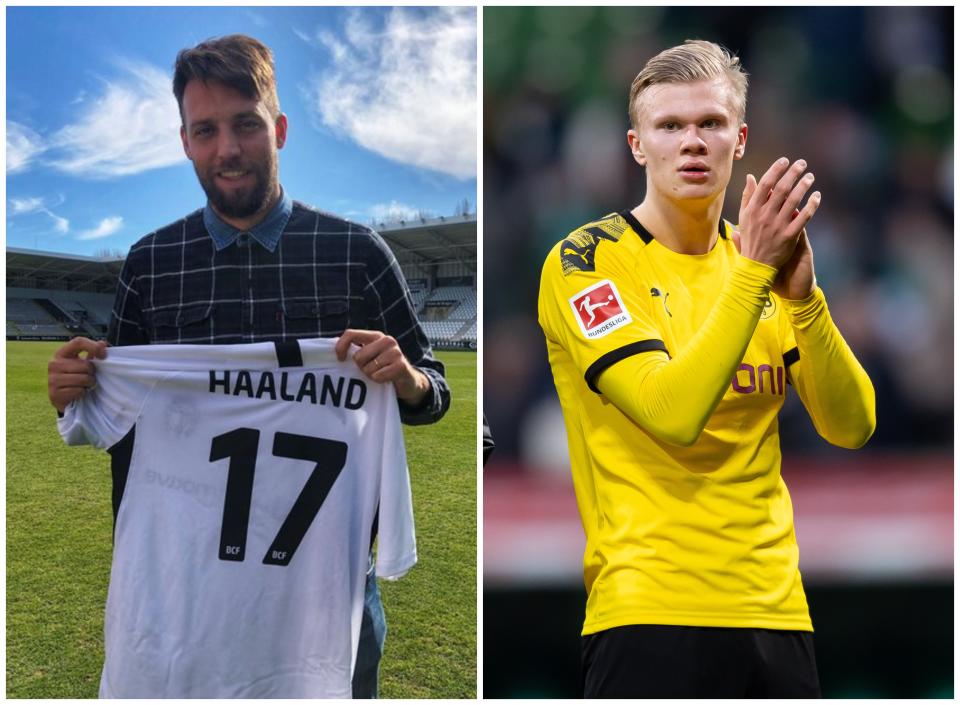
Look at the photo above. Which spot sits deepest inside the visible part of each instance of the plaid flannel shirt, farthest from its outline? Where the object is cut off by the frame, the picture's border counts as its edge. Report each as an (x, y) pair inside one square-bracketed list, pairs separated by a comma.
[(313, 277)]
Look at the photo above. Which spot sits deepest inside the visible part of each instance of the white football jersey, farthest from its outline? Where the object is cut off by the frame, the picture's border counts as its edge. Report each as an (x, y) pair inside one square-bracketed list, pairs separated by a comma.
[(248, 480)]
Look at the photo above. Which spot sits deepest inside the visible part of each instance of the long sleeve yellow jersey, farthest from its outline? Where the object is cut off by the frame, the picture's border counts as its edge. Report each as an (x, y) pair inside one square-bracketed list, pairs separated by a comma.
[(671, 370)]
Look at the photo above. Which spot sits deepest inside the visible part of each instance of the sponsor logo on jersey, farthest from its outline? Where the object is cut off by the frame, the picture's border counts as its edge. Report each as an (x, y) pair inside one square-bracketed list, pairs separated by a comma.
[(599, 310), (207, 495), (749, 379)]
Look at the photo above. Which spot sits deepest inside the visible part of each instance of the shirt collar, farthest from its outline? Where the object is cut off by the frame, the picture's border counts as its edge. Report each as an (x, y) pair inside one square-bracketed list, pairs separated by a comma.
[(266, 232)]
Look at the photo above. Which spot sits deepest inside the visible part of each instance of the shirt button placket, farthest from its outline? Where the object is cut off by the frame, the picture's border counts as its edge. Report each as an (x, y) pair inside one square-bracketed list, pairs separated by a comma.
[(246, 288)]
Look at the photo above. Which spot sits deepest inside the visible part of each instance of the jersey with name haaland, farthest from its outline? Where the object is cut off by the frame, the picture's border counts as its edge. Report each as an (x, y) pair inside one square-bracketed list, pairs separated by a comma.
[(248, 482), (700, 535)]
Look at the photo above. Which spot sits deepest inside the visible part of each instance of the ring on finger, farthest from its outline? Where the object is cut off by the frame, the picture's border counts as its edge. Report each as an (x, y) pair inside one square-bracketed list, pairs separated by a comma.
[(376, 362)]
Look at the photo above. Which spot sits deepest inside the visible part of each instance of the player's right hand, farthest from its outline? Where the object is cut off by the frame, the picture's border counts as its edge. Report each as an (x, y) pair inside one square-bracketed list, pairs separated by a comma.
[(69, 375), (769, 223)]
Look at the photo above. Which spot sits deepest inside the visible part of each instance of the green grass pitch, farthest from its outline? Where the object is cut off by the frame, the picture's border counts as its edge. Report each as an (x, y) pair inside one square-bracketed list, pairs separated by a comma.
[(59, 525)]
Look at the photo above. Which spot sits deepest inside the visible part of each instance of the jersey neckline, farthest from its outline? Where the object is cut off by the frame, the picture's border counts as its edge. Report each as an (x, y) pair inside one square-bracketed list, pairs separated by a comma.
[(645, 234)]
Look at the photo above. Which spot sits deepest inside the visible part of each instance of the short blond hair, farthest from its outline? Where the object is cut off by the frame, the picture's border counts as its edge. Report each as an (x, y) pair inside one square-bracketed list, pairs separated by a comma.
[(694, 60)]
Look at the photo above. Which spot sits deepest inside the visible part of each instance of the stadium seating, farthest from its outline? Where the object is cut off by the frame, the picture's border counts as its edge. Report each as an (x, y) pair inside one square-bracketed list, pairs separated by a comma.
[(419, 295), (60, 296), (42, 314), (63, 314), (449, 316)]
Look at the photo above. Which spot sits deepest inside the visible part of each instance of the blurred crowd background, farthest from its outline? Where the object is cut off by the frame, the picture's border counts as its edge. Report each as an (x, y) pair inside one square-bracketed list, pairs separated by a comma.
[(864, 94)]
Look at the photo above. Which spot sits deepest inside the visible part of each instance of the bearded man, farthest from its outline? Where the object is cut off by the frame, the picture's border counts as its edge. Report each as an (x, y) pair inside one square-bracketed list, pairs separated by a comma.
[(254, 265)]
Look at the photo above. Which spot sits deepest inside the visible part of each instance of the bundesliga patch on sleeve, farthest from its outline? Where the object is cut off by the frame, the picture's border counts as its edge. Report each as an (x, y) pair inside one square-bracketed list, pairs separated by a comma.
[(599, 309)]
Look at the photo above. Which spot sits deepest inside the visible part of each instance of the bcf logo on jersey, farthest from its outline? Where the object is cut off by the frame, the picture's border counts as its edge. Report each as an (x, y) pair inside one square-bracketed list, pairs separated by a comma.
[(599, 309)]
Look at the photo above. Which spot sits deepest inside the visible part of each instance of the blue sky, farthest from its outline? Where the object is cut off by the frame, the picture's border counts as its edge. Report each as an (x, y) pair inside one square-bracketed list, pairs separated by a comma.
[(381, 104)]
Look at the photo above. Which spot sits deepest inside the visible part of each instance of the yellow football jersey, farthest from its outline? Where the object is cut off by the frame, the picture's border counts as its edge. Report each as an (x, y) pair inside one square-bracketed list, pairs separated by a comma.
[(700, 535)]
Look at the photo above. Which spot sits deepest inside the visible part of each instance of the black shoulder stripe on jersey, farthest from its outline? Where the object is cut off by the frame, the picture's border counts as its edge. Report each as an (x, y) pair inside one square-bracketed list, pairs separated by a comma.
[(723, 230), (637, 228), (120, 455), (288, 354), (614, 356), (789, 357)]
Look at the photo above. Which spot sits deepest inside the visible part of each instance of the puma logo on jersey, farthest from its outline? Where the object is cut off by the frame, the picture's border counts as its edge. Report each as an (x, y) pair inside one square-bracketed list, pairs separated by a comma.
[(578, 252), (654, 291), (575, 253)]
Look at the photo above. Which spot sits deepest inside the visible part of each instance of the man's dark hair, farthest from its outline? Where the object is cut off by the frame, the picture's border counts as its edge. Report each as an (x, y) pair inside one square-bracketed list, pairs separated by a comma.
[(238, 61)]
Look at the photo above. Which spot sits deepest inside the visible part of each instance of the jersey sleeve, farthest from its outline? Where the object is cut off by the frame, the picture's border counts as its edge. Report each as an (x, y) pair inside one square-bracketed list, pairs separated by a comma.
[(396, 540), (104, 415), (671, 394), (595, 315), (832, 385), (674, 399)]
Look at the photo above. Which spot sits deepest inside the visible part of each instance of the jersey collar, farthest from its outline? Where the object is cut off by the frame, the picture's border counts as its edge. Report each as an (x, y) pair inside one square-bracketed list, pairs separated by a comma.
[(645, 235)]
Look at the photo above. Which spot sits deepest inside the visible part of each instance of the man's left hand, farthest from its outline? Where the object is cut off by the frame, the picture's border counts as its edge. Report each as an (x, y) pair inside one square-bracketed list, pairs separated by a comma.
[(796, 279), (381, 359)]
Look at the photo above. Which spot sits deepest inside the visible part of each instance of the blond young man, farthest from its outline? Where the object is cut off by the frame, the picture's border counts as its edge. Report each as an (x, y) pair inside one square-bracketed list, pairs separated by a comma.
[(673, 337)]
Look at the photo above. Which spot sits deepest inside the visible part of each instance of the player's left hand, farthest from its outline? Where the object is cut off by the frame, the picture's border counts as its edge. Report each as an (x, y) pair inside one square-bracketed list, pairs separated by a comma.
[(381, 359), (796, 279)]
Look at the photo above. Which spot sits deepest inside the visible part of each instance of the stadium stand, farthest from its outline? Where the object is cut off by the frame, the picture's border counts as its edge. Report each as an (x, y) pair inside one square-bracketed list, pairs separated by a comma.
[(438, 257), (52, 296), (30, 318)]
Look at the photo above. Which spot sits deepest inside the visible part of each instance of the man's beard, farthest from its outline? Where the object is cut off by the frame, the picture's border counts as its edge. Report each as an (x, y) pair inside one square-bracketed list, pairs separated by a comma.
[(245, 202)]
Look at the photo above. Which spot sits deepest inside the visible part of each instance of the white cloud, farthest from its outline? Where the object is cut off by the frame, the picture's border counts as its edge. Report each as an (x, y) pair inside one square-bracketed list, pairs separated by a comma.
[(303, 36), (35, 204), (19, 206), (393, 212), (408, 91), (132, 127), (61, 225), (107, 227), (23, 144)]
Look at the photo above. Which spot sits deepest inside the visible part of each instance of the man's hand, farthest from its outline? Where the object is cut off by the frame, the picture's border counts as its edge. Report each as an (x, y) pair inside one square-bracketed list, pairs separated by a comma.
[(381, 359), (796, 279), (770, 223), (69, 376)]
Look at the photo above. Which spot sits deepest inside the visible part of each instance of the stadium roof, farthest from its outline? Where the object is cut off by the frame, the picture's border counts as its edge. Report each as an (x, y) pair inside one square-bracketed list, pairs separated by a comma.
[(431, 240), (51, 270), (443, 239)]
